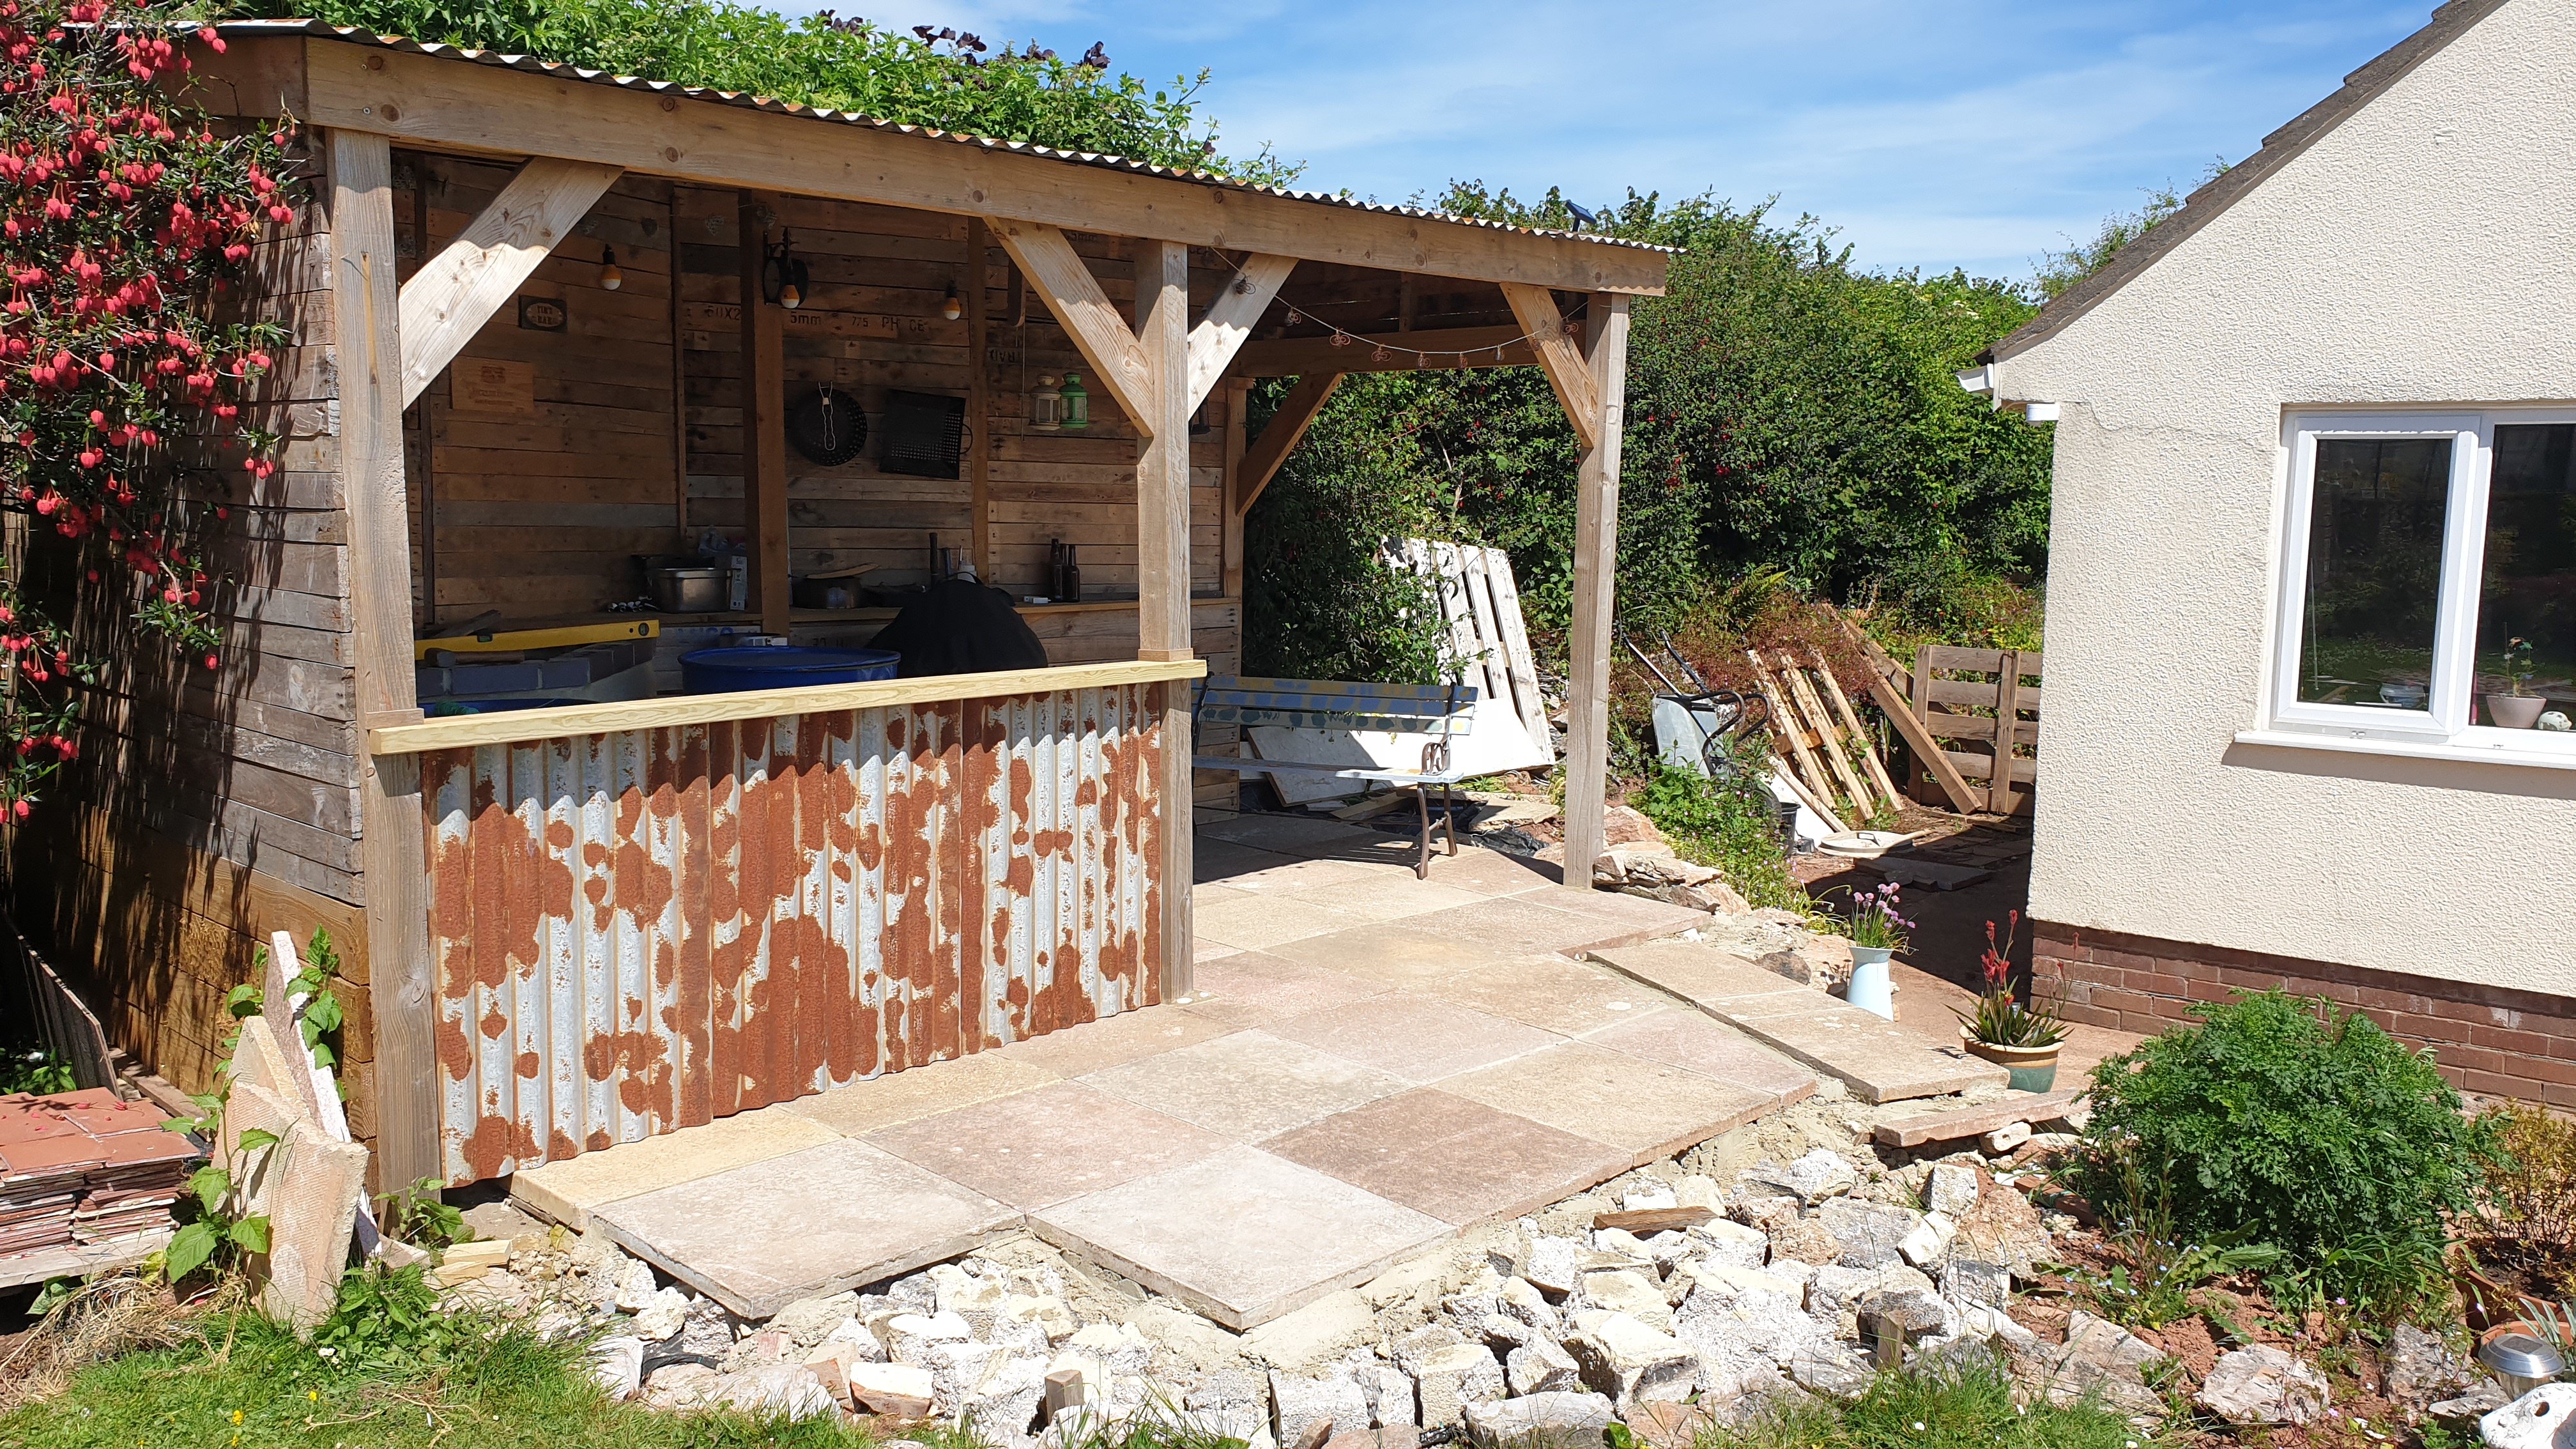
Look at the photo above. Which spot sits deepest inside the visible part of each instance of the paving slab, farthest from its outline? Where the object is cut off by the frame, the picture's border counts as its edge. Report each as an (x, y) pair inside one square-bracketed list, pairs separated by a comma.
[(1645, 1109), (1703, 1044), (1417, 1037), (1634, 913), (1517, 926), (571, 1191), (1551, 993), (757, 1238), (1291, 873), (1257, 921), (917, 1092), (1248, 1085), (1879, 1060), (1243, 1236), (1382, 894), (1703, 975), (1287, 834), (1391, 953), (1494, 872), (1212, 859), (1457, 1160), (1034, 1148), (1251, 988), (1074, 1050)]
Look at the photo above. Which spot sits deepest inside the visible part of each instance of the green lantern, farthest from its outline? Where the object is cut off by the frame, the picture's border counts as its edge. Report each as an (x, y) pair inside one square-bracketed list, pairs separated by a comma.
[(1077, 404)]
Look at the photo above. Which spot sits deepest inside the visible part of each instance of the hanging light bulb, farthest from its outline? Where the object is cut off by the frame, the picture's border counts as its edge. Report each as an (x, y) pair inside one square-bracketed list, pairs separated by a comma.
[(949, 306), (784, 275), (610, 278)]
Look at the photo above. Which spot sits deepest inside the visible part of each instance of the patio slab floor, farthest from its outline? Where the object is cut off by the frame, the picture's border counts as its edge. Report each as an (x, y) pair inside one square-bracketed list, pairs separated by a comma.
[(1368, 1063)]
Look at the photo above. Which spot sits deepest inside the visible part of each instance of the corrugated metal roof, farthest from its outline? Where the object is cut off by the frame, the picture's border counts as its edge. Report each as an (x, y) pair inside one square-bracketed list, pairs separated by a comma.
[(256, 28)]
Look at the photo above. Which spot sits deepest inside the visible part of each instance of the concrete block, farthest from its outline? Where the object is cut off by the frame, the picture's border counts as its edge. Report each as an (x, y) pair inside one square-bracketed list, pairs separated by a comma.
[(1449, 1379)]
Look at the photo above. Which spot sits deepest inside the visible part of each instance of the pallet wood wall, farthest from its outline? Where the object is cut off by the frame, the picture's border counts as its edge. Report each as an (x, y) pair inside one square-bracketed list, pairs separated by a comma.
[(543, 499), (210, 807), (1962, 695)]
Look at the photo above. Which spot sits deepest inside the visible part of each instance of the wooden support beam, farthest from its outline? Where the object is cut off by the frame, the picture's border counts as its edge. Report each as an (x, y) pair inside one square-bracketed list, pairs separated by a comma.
[(1073, 294), (1237, 394), (1577, 389), (1999, 785), (1449, 348), (448, 301), (1229, 321), (764, 424), (494, 110), (1163, 577), (1280, 435), (979, 400), (392, 838), (1604, 391)]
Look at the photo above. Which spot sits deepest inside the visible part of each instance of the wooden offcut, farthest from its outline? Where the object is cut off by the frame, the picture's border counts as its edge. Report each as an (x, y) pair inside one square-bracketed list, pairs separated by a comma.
[(1645, 1222), (1976, 1121)]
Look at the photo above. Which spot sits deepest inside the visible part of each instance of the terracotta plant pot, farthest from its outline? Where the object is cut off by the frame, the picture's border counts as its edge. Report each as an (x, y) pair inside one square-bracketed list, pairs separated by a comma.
[(2034, 1069), (2514, 711)]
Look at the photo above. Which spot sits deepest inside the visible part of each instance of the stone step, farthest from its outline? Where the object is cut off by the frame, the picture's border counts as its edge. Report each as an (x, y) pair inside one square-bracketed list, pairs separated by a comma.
[(1879, 1060)]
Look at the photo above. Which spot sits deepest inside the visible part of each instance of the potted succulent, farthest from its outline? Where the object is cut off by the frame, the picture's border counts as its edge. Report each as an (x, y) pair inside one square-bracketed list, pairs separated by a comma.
[(2515, 711), (1877, 932), (2021, 1039)]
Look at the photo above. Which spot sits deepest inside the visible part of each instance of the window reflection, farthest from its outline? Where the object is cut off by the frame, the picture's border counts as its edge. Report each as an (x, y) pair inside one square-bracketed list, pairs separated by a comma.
[(2527, 583), (2374, 571)]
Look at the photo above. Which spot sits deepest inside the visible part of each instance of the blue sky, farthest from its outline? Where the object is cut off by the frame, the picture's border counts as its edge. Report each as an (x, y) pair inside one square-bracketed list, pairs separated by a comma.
[(1971, 134)]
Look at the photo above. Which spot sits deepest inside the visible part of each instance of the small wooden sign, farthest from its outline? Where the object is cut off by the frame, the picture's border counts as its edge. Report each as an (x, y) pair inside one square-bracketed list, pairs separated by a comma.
[(543, 314), (487, 385)]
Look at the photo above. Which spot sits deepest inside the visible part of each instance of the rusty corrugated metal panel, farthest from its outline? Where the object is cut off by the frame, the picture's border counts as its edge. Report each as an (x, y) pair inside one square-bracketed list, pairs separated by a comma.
[(648, 929)]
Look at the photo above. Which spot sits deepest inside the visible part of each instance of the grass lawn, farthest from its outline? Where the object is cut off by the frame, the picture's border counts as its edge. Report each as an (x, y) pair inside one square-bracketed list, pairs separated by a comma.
[(262, 1388), (1973, 1410)]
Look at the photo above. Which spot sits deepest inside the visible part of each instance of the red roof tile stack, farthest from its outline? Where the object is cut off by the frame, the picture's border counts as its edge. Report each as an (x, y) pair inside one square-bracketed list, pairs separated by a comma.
[(85, 1167)]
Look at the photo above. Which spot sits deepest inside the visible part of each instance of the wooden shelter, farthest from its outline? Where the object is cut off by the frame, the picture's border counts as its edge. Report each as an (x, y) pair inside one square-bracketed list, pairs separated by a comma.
[(569, 927)]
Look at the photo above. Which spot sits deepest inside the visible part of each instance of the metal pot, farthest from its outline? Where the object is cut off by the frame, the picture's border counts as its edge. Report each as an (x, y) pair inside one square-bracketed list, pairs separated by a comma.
[(683, 589)]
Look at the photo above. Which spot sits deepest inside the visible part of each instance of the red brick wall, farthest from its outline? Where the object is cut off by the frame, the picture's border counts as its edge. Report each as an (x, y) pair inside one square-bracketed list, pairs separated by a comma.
[(2491, 1040)]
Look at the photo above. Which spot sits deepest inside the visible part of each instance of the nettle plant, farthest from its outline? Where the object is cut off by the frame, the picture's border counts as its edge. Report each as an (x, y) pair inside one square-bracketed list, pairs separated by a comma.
[(127, 225)]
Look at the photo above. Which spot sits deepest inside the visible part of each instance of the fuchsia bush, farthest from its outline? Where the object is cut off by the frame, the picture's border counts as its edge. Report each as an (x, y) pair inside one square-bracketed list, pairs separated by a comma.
[(127, 228)]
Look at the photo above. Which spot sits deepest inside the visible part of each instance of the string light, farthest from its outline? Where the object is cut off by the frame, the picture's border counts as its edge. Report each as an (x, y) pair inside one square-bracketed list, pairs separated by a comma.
[(1382, 351)]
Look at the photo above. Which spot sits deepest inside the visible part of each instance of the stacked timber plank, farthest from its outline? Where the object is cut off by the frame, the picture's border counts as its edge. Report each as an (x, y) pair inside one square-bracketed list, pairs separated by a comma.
[(1825, 755), (84, 1167)]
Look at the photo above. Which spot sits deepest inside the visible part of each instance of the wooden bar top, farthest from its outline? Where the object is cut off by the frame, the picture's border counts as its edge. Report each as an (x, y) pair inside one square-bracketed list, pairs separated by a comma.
[(523, 725)]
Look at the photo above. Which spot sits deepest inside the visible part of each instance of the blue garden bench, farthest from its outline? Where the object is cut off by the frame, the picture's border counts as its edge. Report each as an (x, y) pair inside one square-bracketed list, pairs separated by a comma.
[(1441, 711)]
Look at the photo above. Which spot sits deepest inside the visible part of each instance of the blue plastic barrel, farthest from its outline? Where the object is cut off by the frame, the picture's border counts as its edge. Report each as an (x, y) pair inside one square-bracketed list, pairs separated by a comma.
[(723, 671)]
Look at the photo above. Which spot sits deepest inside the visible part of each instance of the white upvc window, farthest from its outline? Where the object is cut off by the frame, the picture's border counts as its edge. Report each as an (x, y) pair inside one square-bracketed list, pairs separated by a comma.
[(2428, 582)]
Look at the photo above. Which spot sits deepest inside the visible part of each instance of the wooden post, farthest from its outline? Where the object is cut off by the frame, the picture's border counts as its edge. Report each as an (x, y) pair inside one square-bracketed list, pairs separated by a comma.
[(392, 843), (1923, 712), (1163, 570), (1238, 395), (979, 403), (764, 427), (1596, 565), (1999, 787)]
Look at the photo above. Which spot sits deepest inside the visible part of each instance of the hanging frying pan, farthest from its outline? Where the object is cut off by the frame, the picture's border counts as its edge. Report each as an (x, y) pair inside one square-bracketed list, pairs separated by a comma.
[(827, 426)]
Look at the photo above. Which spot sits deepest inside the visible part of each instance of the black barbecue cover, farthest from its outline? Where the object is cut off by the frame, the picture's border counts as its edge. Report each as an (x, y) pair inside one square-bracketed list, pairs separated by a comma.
[(960, 627)]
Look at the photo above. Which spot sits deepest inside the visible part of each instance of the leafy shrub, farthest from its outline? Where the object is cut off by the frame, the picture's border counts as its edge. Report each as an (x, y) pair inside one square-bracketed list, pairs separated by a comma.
[(2531, 1194), (2283, 1120), (1731, 824)]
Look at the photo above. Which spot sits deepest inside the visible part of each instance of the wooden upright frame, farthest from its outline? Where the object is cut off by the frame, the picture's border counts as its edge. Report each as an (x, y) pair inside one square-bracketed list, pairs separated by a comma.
[(574, 137)]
